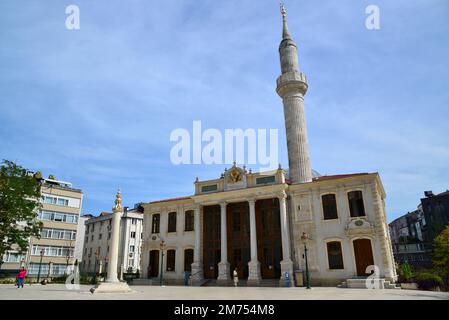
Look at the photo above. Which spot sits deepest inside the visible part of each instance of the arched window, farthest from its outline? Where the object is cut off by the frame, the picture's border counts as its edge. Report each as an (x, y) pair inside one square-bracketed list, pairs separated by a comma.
[(171, 260), (356, 207), (335, 255), (172, 222), (329, 206), (189, 221), (155, 227)]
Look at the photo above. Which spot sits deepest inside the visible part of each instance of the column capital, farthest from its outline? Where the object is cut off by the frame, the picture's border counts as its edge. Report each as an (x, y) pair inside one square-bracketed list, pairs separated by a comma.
[(223, 203), (252, 200), (197, 206), (282, 195)]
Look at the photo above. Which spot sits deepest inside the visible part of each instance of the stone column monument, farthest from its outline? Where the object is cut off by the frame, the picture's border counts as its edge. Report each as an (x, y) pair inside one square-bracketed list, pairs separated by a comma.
[(113, 284)]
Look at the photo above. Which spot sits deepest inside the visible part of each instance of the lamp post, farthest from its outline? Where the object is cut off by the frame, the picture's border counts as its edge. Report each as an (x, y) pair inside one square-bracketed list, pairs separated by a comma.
[(162, 261), (305, 238), (40, 264)]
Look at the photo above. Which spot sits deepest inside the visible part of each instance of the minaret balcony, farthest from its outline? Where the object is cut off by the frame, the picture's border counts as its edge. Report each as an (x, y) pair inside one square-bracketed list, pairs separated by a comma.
[(292, 82)]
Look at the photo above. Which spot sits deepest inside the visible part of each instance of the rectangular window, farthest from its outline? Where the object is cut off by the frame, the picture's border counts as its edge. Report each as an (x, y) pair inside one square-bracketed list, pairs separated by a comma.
[(189, 220), (58, 216), (100, 236), (133, 235), (131, 249), (210, 188), (133, 221), (335, 255), (172, 222), (266, 180), (171, 254), (329, 206), (356, 207), (155, 227)]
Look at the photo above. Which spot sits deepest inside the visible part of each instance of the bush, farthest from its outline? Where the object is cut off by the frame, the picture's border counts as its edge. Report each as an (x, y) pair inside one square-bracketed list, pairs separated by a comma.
[(405, 273), (428, 280)]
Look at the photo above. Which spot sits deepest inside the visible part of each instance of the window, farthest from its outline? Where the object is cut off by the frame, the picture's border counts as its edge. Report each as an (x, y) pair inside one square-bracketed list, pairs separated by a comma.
[(133, 221), (172, 222), (87, 229), (189, 220), (329, 206), (100, 236), (131, 249), (171, 254), (87, 239), (133, 235), (356, 206), (335, 255), (266, 180), (55, 201), (92, 238), (109, 235), (155, 227), (58, 216), (188, 259), (210, 188)]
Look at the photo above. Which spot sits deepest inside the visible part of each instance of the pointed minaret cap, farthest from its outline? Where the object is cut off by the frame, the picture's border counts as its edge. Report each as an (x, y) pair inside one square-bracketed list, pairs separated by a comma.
[(285, 32)]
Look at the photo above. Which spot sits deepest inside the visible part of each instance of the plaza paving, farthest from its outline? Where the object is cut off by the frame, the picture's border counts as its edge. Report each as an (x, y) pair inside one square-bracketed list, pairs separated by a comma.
[(59, 292)]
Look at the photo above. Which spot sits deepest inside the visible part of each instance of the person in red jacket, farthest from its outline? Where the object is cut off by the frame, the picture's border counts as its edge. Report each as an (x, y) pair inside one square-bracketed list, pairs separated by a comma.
[(21, 277)]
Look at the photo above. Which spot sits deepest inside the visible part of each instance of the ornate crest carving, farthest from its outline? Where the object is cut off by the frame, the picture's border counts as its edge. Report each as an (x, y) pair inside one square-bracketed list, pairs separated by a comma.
[(234, 175)]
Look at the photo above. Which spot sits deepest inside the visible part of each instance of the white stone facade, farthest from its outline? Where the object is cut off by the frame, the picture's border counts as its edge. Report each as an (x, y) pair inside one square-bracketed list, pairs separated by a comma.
[(97, 242)]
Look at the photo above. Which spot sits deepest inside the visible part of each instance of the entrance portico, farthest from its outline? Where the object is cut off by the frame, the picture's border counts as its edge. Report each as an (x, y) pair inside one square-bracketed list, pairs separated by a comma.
[(245, 235)]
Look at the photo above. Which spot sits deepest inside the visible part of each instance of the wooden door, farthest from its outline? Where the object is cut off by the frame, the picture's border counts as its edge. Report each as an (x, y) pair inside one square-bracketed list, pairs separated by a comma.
[(153, 268), (211, 241), (363, 256), (238, 238), (269, 242)]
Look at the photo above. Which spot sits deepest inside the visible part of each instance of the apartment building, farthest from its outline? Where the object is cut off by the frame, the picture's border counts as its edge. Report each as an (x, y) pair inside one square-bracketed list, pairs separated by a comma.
[(60, 211), (98, 236)]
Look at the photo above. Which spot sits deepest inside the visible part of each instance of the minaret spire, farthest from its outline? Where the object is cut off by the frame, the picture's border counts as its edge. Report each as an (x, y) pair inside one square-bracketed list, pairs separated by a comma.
[(285, 32), (292, 87)]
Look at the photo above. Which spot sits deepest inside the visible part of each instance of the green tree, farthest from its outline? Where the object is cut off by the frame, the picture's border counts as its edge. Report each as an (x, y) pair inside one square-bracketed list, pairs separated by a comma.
[(19, 199), (440, 256)]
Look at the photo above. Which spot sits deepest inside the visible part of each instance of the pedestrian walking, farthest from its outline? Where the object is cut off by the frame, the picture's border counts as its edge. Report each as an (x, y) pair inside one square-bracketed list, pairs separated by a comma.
[(21, 277)]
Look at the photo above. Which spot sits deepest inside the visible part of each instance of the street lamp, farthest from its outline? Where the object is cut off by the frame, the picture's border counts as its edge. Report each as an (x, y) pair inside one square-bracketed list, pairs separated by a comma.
[(40, 264), (162, 261), (305, 238)]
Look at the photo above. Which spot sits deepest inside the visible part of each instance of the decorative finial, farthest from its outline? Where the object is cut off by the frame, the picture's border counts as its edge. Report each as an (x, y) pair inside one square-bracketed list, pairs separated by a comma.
[(234, 163), (118, 202), (285, 32), (196, 180), (283, 11)]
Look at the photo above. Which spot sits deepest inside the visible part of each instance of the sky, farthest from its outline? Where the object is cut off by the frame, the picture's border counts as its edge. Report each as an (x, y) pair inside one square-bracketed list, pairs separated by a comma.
[(96, 106)]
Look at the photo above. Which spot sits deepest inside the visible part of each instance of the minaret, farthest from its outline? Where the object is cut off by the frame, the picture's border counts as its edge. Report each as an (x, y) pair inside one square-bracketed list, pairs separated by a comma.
[(291, 87)]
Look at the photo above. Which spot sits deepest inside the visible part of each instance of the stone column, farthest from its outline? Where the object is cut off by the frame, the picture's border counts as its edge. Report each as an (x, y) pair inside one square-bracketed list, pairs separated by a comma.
[(224, 266), (114, 246), (112, 283), (286, 263), (197, 265), (254, 275)]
